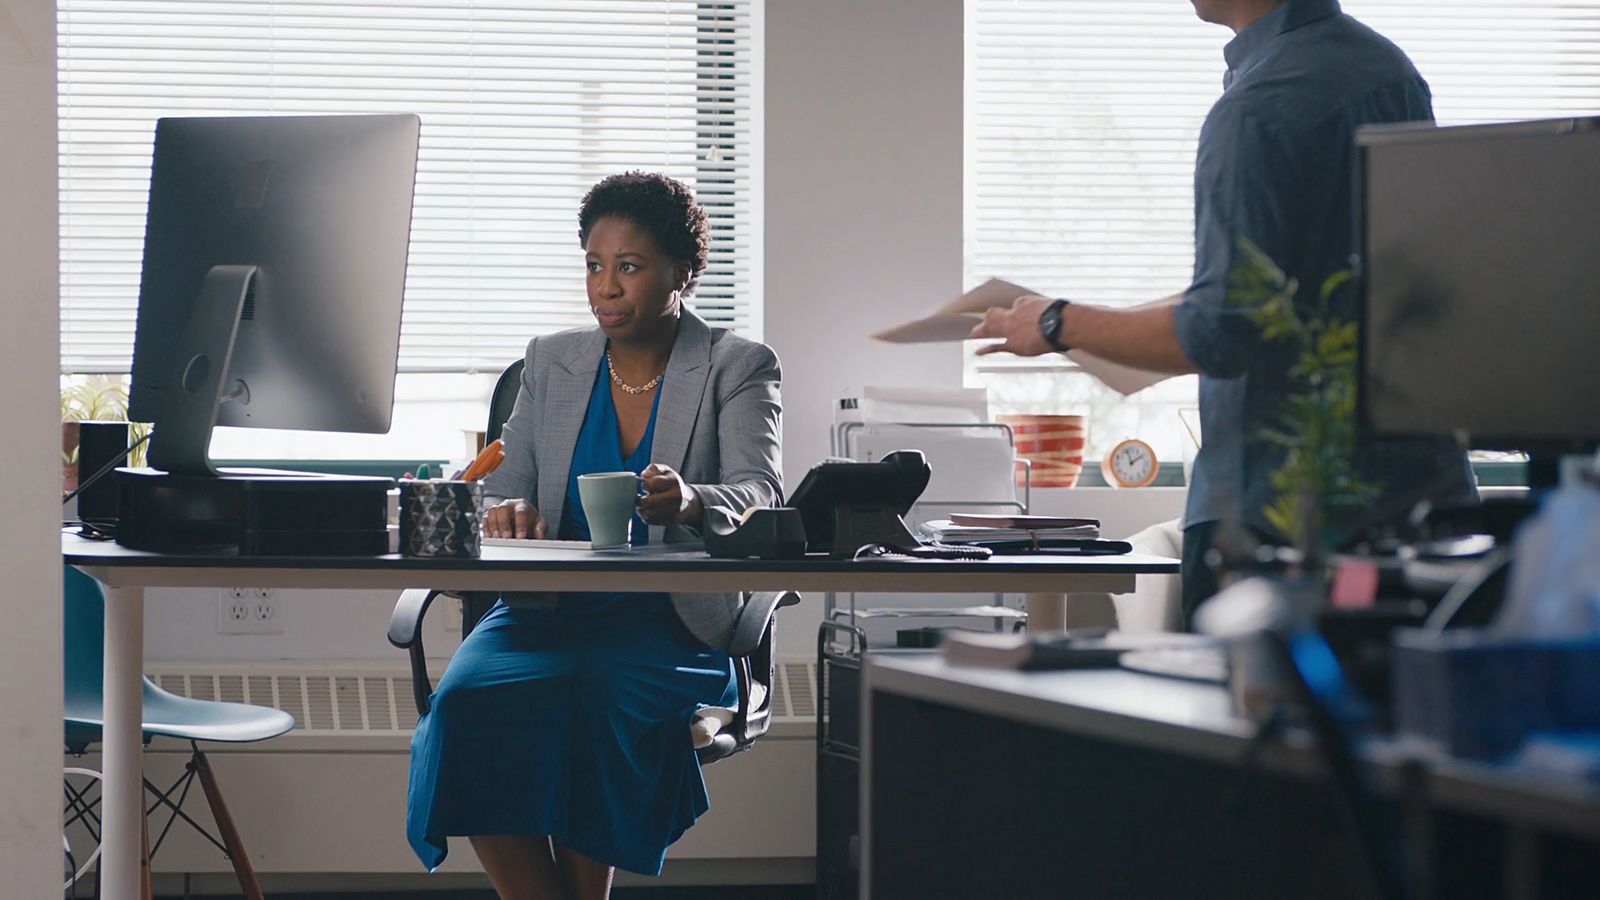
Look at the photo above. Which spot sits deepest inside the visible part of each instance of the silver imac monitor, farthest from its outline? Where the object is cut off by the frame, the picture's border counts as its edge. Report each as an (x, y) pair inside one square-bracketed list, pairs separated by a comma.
[(274, 271), (1480, 273)]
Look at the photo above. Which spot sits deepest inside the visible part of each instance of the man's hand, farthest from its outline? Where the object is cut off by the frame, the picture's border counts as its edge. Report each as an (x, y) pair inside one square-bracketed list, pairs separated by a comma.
[(667, 499), (514, 519), (1019, 325)]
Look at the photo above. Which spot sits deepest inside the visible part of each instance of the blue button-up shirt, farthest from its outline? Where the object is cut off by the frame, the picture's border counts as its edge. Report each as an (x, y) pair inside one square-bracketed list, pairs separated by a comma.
[(1274, 167)]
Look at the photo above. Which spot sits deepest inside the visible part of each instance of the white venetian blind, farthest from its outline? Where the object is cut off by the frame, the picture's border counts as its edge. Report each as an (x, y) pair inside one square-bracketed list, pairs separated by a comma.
[(524, 105), (1082, 118)]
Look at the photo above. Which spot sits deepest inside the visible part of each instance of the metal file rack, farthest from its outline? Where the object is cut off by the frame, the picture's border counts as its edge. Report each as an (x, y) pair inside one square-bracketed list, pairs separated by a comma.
[(850, 614), (841, 643)]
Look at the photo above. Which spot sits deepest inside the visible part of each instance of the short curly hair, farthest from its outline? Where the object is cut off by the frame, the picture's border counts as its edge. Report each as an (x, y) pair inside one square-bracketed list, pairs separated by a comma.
[(664, 207)]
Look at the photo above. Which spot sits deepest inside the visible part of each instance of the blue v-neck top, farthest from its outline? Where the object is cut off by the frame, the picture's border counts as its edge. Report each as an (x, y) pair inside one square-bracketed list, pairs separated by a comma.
[(599, 449)]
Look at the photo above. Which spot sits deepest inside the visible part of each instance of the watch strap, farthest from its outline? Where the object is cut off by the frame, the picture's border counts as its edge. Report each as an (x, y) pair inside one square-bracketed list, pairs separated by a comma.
[(1052, 316)]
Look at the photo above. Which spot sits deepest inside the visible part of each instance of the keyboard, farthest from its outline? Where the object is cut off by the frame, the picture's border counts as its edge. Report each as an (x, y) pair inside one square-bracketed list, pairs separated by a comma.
[(534, 543), (1208, 664), (641, 550)]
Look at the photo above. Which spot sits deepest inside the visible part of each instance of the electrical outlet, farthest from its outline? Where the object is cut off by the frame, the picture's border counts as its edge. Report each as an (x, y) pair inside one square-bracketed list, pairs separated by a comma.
[(247, 611)]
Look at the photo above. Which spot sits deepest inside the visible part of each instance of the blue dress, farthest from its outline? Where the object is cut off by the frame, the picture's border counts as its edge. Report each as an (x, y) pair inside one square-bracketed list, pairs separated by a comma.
[(573, 720)]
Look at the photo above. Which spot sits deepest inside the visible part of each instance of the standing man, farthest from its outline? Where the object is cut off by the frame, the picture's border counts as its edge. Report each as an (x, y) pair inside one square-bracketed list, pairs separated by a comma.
[(1274, 167)]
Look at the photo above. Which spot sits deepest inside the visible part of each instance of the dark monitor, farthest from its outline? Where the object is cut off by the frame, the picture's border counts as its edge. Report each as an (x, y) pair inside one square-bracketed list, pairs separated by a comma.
[(274, 271), (1480, 272)]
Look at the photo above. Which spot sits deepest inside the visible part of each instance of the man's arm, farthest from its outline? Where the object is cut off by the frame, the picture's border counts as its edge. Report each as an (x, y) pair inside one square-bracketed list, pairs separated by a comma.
[(1243, 175), (1143, 337)]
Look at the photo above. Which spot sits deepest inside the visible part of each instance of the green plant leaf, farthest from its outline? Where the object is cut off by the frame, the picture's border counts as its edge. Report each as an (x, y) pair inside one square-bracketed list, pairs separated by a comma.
[(1315, 421), (1332, 283)]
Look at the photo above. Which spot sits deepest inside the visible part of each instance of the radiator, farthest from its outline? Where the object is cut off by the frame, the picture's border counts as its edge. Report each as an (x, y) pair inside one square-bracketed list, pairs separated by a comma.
[(329, 797)]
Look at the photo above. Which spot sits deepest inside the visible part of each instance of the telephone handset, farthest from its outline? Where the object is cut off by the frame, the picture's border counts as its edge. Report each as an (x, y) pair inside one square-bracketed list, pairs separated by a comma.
[(846, 504)]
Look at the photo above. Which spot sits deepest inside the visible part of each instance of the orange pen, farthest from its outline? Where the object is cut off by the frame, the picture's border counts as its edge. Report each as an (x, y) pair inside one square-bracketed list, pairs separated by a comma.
[(485, 462), (491, 465)]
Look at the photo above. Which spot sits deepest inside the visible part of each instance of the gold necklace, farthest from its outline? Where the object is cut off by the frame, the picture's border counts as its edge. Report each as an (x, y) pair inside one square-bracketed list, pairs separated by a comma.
[(626, 387)]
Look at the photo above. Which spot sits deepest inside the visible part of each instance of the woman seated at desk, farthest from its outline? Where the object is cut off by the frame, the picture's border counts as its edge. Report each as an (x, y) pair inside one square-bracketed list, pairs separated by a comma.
[(558, 741)]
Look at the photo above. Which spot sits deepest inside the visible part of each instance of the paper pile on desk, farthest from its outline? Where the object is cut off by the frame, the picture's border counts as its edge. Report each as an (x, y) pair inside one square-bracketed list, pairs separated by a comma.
[(955, 320), (947, 532), (1085, 649), (924, 405)]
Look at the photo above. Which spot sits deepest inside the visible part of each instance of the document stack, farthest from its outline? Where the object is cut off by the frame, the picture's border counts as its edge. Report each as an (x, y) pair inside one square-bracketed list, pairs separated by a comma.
[(962, 528)]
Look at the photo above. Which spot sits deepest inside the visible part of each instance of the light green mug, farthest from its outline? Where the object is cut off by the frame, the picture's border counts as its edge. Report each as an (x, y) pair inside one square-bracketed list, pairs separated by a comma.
[(609, 499)]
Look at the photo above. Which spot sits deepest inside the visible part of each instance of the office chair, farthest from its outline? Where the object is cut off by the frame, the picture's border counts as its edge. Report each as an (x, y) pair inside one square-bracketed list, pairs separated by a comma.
[(165, 714), (751, 647)]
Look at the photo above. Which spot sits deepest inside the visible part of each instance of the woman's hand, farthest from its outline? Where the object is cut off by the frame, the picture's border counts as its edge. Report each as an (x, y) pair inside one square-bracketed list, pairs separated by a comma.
[(667, 499), (514, 519)]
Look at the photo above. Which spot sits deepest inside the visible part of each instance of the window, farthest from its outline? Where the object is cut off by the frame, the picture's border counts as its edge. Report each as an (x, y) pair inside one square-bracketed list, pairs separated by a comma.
[(524, 105), (1082, 118)]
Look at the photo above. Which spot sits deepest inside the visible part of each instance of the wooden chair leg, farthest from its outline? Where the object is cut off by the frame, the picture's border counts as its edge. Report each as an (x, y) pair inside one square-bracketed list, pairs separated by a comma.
[(230, 835), (147, 889)]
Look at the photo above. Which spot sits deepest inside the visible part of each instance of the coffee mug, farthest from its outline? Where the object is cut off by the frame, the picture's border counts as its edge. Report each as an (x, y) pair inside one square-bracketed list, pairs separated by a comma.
[(609, 499)]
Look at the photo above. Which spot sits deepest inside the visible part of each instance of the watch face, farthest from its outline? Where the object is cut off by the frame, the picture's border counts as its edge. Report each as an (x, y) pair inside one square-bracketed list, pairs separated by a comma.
[(1050, 324), (1130, 464)]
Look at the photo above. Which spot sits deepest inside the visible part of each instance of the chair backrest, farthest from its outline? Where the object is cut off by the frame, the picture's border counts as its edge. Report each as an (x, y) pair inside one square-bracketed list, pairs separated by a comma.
[(474, 604), (503, 399), (84, 626)]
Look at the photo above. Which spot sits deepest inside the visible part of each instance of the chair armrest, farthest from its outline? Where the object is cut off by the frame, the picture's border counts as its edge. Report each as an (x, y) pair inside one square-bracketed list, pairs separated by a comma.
[(405, 632), (405, 625), (751, 652), (751, 720), (754, 617)]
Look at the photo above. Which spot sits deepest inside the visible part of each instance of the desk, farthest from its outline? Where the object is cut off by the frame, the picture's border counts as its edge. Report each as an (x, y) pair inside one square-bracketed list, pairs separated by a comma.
[(126, 573), (1112, 783)]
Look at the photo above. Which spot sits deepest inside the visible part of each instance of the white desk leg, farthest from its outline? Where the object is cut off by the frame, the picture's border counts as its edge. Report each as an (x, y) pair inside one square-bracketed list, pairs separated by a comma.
[(123, 788)]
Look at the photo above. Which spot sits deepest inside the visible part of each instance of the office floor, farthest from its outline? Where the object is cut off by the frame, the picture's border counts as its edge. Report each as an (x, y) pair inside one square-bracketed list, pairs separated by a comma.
[(735, 892)]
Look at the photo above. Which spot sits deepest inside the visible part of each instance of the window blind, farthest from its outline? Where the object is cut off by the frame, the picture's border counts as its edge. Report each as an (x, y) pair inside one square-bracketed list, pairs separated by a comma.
[(524, 105), (1082, 119)]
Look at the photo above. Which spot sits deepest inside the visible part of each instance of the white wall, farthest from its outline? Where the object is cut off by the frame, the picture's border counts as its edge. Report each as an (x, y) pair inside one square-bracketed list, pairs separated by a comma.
[(181, 624), (863, 199), (863, 209), (30, 641)]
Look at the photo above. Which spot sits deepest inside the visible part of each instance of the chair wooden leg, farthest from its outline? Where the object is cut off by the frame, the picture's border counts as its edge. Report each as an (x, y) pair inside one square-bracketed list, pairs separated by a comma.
[(147, 890), (230, 835)]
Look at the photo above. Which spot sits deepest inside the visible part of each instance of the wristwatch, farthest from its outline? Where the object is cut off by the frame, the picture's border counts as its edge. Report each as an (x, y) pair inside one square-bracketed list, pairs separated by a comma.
[(1050, 325)]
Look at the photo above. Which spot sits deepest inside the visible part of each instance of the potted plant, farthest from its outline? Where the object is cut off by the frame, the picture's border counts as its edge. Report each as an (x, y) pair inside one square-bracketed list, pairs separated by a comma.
[(93, 398), (1316, 423), (1315, 483)]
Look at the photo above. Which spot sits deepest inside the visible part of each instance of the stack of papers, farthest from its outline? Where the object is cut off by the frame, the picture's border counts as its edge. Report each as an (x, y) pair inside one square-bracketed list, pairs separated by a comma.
[(1069, 650), (955, 320), (964, 528)]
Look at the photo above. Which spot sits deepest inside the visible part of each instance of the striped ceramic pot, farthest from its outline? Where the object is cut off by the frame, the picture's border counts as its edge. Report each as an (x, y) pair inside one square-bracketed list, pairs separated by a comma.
[(1053, 444)]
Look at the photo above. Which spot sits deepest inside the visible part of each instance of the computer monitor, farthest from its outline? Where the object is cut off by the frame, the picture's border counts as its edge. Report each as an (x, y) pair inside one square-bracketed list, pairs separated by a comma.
[(1480, 277), (274, 272)]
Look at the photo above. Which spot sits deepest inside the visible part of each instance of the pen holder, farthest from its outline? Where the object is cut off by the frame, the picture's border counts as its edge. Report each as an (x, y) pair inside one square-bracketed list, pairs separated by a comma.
[(440, 518)]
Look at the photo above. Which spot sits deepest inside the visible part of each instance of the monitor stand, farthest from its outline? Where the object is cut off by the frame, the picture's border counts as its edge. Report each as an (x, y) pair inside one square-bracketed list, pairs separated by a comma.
[(181, 441), (184, 504)]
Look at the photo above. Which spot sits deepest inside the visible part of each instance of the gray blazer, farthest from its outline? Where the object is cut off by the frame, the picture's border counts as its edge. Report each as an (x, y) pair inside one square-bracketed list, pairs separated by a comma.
[(717, 424)]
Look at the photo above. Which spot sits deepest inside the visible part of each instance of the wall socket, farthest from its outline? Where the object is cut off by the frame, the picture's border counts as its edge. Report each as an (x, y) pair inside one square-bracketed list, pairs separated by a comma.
[(248, 611)]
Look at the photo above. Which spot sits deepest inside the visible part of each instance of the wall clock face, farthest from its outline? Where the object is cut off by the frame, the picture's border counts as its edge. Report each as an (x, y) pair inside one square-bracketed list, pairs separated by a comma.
[(1131, 463)]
